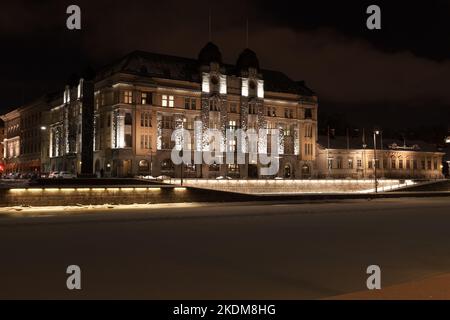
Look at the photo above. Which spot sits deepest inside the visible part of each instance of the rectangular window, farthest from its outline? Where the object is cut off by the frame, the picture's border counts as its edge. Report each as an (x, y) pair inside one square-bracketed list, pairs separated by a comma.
[(308, 113), (128, 141), (350, 163), (330, 163), (146, 98), (146, 120), (400, 164), (415, 164), (146, 141), (339, 163), (359, 163), (393, 164), (422, 164), (190, 103), (435, 164), (168, 101), (128, 97), (233, 108)]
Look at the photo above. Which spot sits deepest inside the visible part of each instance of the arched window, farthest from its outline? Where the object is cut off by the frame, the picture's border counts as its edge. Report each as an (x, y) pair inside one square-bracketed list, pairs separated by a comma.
[(287, 171), (167, 165), (143, 164), (306, 170)]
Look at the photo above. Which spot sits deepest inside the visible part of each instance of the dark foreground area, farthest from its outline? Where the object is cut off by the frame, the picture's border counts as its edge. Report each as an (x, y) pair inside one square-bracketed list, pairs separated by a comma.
[(235, 251)]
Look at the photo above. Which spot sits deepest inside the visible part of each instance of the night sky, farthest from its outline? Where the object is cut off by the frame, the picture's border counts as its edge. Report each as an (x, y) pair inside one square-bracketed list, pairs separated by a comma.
[(394, 78)]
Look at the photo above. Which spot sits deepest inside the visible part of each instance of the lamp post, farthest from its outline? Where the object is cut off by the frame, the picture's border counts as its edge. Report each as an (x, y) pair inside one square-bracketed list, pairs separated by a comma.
[(151, 162), (182, 165), (375, 133)]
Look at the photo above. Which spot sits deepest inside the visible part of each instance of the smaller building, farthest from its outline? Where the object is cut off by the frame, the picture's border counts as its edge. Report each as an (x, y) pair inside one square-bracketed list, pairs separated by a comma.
[(342, 157)]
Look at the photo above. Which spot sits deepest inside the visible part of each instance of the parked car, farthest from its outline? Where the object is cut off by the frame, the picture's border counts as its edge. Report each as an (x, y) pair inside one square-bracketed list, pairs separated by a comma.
[(53, 175), (66, 175)]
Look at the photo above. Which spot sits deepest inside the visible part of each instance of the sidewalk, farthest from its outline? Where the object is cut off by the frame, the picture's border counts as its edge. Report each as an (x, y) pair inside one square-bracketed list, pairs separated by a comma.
[(433, 288)]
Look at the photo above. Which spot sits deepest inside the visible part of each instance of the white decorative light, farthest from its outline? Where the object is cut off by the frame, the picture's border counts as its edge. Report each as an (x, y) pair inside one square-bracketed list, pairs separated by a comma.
[(296, 141), (205, 83), (245, 87), (223, 84), (260, 89), (120, 131), (80, 89), (66, 96), (159, 132)]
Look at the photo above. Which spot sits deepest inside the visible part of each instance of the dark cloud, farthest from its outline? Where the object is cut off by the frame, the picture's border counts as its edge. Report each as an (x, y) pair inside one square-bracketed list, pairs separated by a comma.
[(325, 43)]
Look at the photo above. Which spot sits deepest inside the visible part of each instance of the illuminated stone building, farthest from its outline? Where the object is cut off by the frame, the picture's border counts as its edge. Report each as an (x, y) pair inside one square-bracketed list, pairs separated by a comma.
[(121, 124), (342, 157), (142, 98), (22, 138)]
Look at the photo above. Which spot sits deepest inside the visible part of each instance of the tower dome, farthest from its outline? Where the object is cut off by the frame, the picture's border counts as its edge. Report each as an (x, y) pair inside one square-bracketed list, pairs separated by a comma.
[(210, 53), (247, 59)]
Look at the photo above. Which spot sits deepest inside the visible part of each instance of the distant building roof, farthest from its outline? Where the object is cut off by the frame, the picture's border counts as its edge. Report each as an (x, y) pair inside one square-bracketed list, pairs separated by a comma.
[(187, 69), (340, 142)]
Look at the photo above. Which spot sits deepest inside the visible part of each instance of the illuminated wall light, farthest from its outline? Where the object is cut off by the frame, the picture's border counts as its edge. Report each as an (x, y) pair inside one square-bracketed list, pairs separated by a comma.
[(35, 190), (51, 189), (67, 189), (180, 189), (17, 190), (127, 189), (260, 89), (223, 84), (154, 189), (245, 87), (98, 189), (140, 189), (112, 189), (205, 83), (83, 189)]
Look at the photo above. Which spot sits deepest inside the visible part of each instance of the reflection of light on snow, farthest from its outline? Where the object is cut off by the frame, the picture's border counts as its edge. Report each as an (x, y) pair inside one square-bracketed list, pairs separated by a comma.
[(46, 211), (74, 190), (296, 186)]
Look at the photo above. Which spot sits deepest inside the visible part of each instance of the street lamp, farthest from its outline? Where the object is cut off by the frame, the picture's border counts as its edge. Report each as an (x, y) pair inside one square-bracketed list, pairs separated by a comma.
[(375, 133), (182, 167)]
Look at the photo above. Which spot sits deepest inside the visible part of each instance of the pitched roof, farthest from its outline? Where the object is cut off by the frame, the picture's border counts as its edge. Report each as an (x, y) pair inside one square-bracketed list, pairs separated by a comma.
[(187, 69)]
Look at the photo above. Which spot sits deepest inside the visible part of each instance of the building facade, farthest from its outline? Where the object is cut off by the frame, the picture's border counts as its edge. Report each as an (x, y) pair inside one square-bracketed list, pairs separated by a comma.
[(142, 98), (343, 157), (121, 124)]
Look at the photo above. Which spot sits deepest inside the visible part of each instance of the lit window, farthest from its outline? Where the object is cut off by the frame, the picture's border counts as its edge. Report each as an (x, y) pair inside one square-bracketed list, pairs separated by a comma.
[(128, 97), (146, 98), (167, 101)]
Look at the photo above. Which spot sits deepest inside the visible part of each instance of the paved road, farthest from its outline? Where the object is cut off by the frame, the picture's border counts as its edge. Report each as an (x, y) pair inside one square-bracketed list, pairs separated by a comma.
[(233, 251)]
